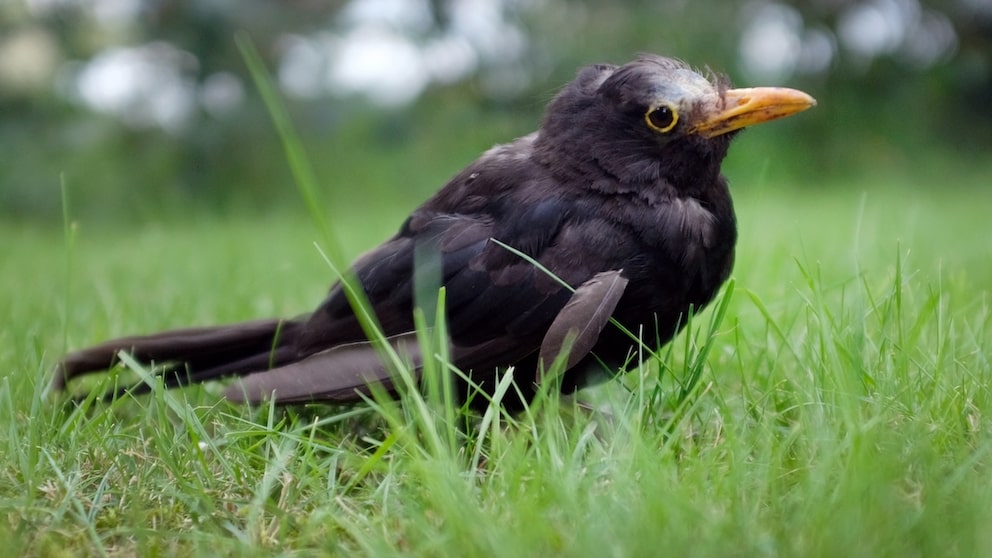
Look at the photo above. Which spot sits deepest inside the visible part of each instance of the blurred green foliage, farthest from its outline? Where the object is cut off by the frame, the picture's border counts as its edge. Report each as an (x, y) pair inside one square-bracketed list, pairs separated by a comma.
[(886, 114)]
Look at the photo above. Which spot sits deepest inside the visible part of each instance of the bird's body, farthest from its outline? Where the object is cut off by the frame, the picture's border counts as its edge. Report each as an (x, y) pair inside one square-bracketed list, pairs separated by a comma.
[(618, 194)]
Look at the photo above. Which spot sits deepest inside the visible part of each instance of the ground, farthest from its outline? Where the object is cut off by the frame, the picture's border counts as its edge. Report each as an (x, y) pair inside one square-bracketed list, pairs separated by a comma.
[(842, 409)]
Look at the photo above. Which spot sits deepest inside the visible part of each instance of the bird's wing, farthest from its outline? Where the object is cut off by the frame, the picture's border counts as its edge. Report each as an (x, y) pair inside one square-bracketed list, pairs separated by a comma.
[(490, 291), (499, 305), (448, 241), (342, 372)]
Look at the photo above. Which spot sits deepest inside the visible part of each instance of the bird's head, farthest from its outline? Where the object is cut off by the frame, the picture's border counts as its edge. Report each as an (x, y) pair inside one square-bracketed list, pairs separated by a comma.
[(655, 119)]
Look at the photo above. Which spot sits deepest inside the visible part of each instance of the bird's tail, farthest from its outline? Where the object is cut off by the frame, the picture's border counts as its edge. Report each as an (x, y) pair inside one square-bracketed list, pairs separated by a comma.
[(191, 355)]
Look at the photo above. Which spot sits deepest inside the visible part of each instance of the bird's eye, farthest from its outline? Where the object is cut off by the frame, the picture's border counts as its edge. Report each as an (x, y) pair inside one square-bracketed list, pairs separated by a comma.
[(662, 118)]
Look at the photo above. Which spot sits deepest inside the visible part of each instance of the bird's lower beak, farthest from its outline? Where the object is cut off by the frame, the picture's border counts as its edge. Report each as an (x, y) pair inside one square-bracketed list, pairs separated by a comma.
[(754, 105)]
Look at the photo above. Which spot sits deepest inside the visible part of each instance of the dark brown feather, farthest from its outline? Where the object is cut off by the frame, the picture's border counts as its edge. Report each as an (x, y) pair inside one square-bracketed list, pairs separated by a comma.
[(577, 326)]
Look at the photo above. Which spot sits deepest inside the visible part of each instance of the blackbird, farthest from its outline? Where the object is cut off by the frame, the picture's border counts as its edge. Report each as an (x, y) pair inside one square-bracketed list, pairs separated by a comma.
[(618, 194)]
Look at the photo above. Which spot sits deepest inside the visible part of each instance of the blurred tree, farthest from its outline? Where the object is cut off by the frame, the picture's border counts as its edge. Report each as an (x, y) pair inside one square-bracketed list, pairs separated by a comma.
[(145, 105)]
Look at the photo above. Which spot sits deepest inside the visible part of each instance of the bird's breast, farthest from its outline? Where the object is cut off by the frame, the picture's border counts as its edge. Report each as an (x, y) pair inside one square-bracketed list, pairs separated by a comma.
[(687, 251)]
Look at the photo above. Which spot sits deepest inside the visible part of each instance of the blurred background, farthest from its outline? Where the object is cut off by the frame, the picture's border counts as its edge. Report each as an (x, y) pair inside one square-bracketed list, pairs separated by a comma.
[(146, 107)]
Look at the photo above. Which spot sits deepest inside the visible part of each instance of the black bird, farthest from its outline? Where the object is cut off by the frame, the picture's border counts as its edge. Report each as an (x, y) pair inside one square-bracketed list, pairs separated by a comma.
[(619, 194)]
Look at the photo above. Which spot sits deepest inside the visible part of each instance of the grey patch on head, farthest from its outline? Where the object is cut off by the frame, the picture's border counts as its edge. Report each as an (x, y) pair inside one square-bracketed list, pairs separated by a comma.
[(688, 90)]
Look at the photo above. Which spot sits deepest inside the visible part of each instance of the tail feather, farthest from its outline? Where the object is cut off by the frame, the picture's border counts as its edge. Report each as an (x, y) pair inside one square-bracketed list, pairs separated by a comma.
[(341, 374), (199, 354)]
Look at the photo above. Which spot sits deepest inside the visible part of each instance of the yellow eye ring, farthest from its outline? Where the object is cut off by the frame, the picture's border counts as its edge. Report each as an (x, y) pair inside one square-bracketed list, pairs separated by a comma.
[(662, 118)]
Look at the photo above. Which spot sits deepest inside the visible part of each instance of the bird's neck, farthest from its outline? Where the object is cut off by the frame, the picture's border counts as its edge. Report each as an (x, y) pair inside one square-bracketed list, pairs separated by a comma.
[(607, 167)]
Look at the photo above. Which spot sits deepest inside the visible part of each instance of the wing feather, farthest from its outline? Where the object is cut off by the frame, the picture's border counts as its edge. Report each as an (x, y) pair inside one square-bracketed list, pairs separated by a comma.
[(577, 326)]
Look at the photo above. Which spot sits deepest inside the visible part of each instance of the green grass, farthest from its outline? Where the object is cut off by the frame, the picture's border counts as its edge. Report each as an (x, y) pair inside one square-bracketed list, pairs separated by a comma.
[(843, 410)]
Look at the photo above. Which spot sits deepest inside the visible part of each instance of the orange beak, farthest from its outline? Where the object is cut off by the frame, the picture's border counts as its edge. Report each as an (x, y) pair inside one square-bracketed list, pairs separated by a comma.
[(754, 105)]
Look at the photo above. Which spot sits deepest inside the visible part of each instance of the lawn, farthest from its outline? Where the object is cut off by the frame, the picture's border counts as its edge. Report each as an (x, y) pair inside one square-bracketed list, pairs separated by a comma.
[(843, 409)]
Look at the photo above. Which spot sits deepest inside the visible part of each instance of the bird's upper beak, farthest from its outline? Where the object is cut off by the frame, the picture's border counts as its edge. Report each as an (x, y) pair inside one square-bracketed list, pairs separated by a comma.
[(754, 105)]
